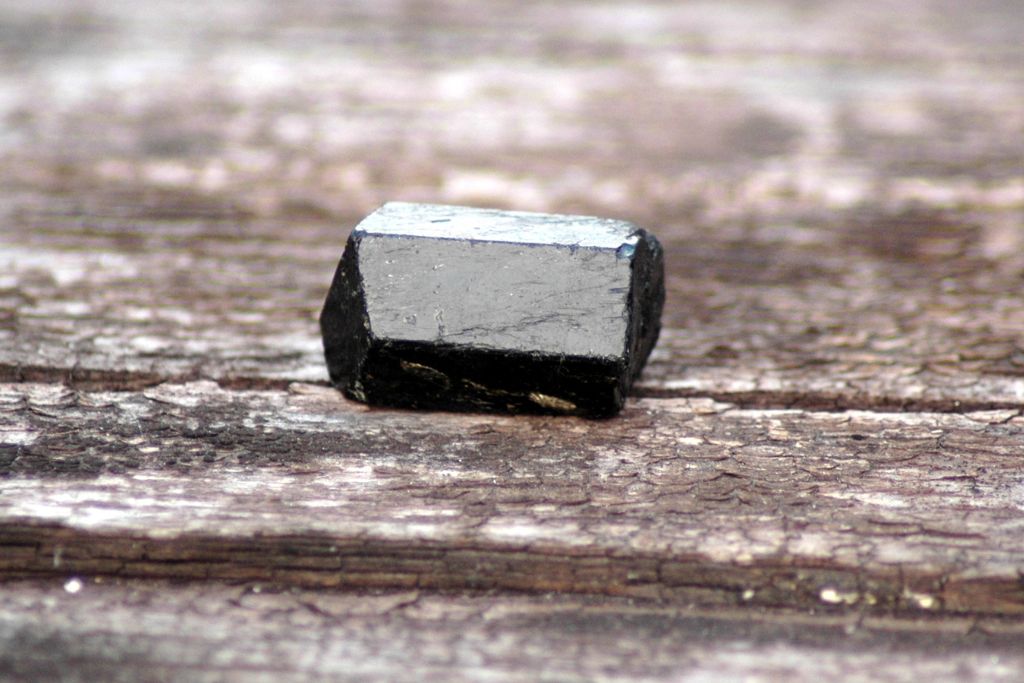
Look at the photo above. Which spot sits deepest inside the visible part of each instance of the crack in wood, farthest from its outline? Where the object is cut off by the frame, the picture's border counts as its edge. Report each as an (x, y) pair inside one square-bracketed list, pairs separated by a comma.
[(81, 379), (309, 561)]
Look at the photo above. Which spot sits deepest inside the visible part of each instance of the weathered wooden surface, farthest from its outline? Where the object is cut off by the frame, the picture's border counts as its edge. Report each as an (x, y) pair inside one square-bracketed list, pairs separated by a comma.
[(133, 631), (861, 332), (842, 210), (682, 499), (832, 420)]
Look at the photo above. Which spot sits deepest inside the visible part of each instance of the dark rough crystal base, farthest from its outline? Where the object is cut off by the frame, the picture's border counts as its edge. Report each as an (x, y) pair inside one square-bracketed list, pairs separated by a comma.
[(415, 375), (499, 311)]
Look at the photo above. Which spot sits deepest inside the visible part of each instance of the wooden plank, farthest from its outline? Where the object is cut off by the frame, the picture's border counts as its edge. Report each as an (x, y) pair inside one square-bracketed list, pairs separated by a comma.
[(196, 632), (243, 312), (842, 212), (678, 499), (850, 249), (840, 192)]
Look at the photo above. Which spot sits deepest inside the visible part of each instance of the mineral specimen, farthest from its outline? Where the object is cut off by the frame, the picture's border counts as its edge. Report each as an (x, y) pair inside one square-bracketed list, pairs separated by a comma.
[(457, 308)]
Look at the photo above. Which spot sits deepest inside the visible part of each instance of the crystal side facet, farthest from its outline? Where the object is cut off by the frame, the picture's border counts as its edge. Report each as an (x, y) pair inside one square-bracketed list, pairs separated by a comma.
[(457, 308)]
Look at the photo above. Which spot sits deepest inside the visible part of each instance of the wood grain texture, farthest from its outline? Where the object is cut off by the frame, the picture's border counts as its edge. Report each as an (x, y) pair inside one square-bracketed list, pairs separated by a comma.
[(842, 212), (852, 333), (156, 631), (830, 424), (688, 500)]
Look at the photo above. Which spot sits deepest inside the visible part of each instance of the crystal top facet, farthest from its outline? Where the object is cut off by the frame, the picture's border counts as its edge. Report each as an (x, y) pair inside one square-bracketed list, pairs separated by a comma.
[(490, 225)]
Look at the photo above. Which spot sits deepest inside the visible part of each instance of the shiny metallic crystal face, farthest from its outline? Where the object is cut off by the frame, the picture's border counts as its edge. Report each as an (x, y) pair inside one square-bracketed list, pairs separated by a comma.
[(510, 297), (454, 307)]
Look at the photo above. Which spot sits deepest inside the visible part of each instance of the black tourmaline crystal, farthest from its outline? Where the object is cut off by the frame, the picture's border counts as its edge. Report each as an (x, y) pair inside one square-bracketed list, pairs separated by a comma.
[(456, 308)]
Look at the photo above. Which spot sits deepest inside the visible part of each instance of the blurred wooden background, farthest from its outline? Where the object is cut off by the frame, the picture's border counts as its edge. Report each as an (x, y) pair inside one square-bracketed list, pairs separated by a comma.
[(822, 472)]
